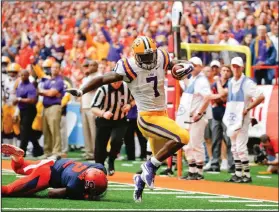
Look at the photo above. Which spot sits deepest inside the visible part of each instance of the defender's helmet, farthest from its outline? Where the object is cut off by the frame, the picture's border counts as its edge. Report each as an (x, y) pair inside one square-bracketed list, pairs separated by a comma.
[(145, 51), (96, 183)]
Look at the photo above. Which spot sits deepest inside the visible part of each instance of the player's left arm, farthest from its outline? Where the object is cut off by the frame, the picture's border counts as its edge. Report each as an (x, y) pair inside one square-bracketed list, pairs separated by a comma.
[(57, 193)]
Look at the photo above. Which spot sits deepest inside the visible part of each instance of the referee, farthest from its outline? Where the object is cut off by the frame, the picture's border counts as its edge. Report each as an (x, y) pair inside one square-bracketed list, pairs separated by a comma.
[(110, 105)]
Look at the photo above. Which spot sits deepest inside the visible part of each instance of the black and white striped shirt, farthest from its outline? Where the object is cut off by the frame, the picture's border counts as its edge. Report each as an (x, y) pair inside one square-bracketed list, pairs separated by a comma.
[(109, 99)]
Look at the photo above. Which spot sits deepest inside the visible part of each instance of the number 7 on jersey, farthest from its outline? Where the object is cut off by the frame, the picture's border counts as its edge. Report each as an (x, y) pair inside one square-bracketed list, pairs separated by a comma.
[(155, 83)]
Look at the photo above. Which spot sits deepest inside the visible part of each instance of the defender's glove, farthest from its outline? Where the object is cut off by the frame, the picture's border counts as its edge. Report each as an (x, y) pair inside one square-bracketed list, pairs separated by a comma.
[(75, 92), (181, 70)]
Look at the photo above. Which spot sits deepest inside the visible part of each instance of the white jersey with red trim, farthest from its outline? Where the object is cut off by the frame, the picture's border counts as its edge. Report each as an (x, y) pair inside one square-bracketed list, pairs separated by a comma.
[(146, 86)]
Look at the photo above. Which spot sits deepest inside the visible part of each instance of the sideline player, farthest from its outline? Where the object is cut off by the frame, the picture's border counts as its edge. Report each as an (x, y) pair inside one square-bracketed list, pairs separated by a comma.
[(145, 75), (70, 179)]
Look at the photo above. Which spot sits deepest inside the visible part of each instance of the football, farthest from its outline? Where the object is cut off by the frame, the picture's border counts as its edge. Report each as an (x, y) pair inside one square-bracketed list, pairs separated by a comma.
[(174, 70)]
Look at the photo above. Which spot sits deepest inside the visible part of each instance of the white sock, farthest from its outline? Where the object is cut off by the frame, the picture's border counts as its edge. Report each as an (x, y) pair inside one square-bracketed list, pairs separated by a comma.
[(155, 162)]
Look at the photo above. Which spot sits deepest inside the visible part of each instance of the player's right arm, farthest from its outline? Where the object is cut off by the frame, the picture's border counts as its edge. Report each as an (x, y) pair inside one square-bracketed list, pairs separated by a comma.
[(57, 193), (96, 82)]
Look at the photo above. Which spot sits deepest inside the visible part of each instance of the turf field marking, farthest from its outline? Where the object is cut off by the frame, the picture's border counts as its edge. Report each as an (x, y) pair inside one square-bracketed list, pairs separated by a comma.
[(202, 197), (265, 177), (120, 189), (110, 209), (235, 200), (127, 164), (199, 192), (262, 205), (168, 192), (115, 185)]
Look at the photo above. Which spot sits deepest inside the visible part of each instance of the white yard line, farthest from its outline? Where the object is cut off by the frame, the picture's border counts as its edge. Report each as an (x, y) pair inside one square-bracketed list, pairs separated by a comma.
[(203, 197), (198, 192), (265, 177), (262, 205), (234, 200), (167, 192), (111, 209)]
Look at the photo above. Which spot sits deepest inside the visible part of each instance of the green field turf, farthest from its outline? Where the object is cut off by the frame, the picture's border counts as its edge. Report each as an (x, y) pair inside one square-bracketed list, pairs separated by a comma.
[(134, 166), (119, 198)]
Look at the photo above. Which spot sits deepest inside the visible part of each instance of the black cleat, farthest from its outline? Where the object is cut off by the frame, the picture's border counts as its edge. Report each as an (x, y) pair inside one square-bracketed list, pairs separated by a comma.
[(199, 176), (111, 169), (212, 170), (189, 176), (246, 179), (167, 172), (234, 179)]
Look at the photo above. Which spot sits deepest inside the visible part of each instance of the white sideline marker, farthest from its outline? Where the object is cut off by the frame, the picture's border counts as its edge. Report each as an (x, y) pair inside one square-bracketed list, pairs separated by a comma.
[(235, 200), (203, 197), (265, 177), (263, 205), (122, 186), (167, 192)]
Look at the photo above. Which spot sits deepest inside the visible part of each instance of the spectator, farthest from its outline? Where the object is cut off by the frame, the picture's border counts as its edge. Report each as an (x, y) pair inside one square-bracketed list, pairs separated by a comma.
[(273, 36), (111, 120), (218, 99), (237, 118), (263, 53), (268, 148), (26, 100), (250, 27), (115, 47), (197, 89), (90, 69), (226, 56), (52, 92), (237, 31), (9, 50)]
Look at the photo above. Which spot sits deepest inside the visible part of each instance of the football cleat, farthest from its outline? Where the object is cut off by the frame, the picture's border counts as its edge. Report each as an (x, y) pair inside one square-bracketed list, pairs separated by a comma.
[(11, 150), (167, 172), (189, 176), (139, 186), (234, 179), (148, 173), (246, 179)]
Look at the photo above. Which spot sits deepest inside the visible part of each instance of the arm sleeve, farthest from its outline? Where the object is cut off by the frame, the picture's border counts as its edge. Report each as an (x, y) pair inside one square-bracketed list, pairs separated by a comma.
[(251, 89), (32, 94), (124, 70), (202, 87), (58, 85)]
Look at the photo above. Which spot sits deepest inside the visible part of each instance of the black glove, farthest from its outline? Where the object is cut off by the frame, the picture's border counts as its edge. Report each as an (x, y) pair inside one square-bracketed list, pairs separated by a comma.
[(183, 72), (75, 92)]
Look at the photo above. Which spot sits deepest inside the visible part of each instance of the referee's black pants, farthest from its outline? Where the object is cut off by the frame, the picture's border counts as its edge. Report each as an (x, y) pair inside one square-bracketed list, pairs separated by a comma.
[(27, 117), (130, 140), (106, 129)]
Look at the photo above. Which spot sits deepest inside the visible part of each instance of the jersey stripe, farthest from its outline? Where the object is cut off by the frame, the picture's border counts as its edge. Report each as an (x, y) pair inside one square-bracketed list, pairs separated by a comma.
[(166, 58), (129, 72)]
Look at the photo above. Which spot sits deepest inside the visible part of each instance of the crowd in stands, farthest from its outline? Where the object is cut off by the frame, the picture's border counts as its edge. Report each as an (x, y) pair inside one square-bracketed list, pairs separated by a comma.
[(70, 32)]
